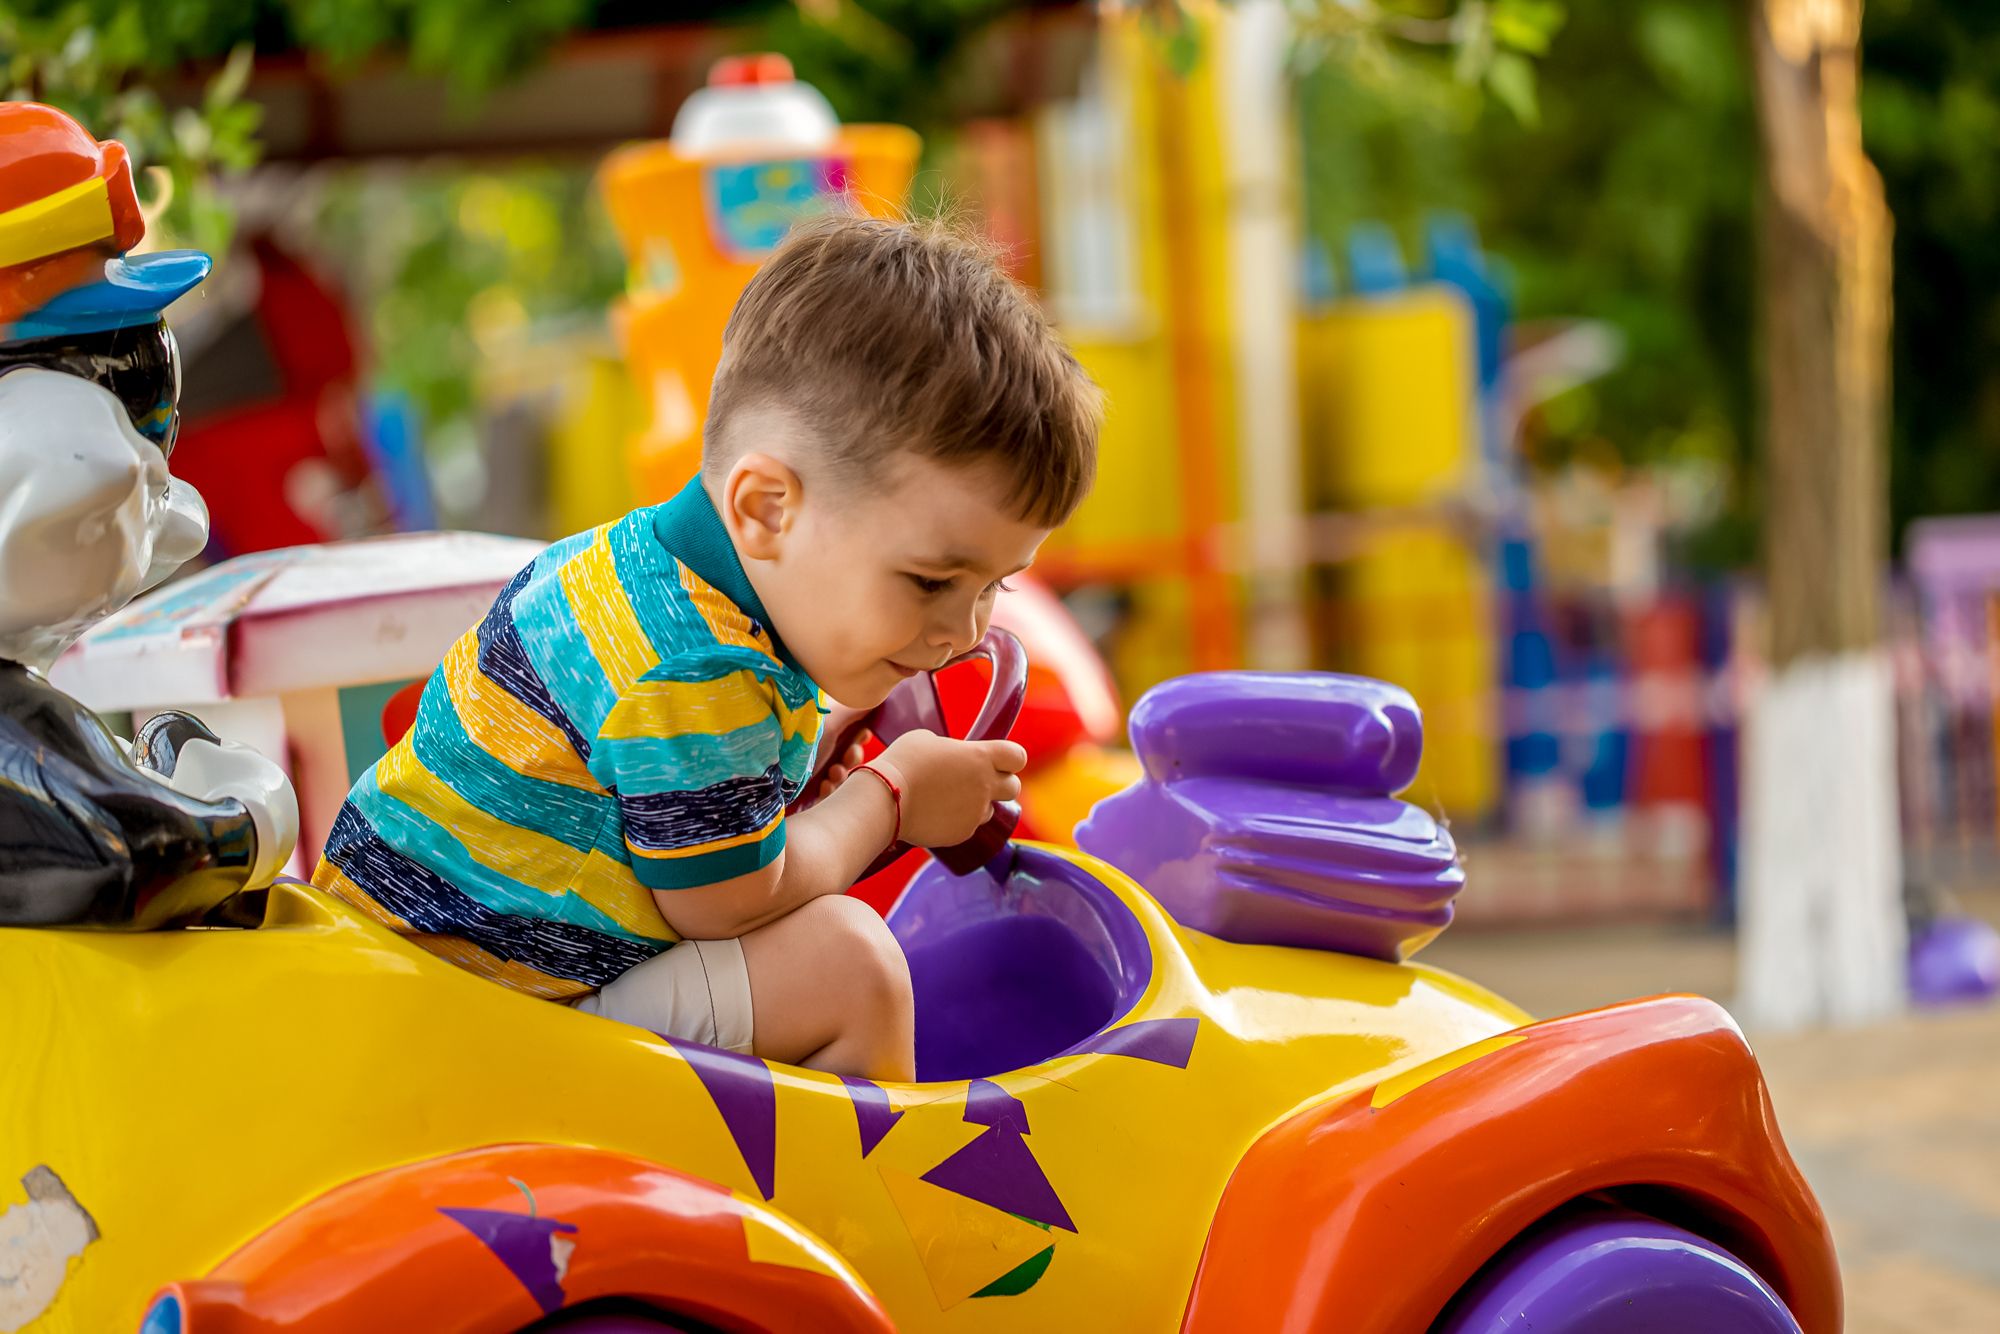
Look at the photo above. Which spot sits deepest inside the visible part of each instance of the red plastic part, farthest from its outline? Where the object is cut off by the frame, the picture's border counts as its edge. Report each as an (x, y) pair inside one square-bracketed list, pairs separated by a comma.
[(1070, 697), (756, 68), (404, 1249), (881, 890), (1349, 1216), (244, 459), (399, 714)]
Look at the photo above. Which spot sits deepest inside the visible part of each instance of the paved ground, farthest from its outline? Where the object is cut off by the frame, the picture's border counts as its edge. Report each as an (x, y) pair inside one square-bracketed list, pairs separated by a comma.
[(1897, 1126)]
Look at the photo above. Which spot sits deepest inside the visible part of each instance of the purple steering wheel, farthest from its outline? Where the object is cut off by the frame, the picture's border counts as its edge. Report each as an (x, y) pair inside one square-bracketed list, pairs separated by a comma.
[(914, 706)]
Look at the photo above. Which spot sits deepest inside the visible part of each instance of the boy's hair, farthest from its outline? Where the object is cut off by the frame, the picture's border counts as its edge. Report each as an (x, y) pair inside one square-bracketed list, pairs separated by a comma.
[(877, 336)]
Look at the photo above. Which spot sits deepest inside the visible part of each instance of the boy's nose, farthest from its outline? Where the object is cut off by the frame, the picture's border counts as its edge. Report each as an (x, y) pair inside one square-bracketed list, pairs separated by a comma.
[(957, 635)]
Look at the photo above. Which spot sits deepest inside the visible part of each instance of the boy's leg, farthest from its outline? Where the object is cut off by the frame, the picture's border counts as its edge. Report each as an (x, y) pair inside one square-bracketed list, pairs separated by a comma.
[(830, 990)]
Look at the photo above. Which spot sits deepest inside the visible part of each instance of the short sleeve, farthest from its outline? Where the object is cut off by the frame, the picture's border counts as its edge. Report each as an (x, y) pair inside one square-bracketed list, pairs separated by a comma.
[(695, 756)]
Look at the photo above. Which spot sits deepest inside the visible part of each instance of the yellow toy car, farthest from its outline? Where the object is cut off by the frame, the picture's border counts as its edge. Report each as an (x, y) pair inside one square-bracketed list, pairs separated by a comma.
[(1121, 1123)]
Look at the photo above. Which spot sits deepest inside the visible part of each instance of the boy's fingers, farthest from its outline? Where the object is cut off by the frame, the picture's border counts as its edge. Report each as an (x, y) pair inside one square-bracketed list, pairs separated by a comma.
[(1010, 788), (1007, 756)]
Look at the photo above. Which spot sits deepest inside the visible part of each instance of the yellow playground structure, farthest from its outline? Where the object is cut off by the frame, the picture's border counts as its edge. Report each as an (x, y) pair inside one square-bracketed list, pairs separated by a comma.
[(696, 215)]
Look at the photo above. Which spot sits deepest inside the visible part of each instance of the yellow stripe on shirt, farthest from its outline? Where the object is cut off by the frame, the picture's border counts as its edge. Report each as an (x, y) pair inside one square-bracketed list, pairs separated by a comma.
[(603, 611), (610, 885), (452, 949), (326, 876), (507, 972), (530, 859), (681, 708), (505, 728), (726, 621)]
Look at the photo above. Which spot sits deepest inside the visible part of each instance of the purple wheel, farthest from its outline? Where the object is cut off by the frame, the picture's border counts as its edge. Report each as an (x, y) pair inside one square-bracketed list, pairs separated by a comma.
[(1609, 1271)]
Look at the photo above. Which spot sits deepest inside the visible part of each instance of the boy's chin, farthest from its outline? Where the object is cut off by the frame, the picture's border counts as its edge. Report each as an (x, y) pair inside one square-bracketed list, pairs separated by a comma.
[(862, 698), (855, 694)]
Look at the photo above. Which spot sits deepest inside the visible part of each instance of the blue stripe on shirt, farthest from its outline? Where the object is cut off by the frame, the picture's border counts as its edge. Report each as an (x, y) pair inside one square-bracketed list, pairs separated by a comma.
[(567, 814), (433, 905), (555, 554), (505, 663), (561, 654), (666, 821), (429, 844), (694, 760), (652, 580)]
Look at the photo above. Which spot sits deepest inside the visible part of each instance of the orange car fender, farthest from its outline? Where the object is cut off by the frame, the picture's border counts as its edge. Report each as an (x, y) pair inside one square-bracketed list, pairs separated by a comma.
[(1369, 1212), (493, 1239)]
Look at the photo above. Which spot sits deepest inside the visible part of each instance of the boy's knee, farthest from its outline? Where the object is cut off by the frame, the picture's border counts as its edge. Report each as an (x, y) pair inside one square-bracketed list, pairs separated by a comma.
[(869, 948)]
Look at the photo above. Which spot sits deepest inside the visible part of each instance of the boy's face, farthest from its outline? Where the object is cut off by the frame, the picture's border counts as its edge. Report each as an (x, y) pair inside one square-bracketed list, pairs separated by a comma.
[(869, 586)]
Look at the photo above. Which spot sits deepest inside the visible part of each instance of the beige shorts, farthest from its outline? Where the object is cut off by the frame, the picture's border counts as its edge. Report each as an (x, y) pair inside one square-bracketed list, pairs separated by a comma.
[(698, 991)]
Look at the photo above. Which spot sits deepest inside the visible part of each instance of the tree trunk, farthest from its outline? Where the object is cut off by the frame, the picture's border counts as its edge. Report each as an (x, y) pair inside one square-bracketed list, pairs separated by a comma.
[(1823, 932)]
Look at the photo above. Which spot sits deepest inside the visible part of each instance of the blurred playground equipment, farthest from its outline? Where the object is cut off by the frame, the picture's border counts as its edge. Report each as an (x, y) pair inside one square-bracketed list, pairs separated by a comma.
[(748, 155), (273, 433)]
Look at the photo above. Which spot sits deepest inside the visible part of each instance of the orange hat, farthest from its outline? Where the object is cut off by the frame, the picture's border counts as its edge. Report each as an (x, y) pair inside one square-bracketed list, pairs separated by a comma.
[(66, 204)]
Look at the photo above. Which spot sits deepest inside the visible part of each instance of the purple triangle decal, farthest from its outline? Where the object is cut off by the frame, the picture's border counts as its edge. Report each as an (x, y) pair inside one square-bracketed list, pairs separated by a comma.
[(522, 1244), (987, 1104), (872, 1112), (747, 1096), (1164, 1041), (999, 1169)]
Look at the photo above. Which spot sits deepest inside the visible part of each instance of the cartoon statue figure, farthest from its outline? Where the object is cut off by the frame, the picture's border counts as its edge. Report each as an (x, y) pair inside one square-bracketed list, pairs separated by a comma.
[(90, 518)]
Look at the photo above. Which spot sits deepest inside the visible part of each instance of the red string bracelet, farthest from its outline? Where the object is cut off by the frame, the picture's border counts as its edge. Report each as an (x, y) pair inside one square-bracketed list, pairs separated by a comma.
[(895, 797)]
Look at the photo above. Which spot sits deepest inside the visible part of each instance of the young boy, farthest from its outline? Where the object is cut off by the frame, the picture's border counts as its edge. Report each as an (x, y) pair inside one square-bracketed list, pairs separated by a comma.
[(591, 805)]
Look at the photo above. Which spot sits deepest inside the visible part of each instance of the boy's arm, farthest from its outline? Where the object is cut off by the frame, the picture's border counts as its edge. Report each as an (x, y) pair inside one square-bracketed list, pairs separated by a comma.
[(826, 849), (948, 789), (695, 752)]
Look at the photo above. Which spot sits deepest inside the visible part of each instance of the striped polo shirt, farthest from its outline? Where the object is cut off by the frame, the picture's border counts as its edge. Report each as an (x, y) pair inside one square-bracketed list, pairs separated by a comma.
[(623, 720)]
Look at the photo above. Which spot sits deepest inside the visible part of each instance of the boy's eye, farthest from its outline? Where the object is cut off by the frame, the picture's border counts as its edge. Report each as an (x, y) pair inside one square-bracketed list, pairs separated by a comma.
[(931, 587)]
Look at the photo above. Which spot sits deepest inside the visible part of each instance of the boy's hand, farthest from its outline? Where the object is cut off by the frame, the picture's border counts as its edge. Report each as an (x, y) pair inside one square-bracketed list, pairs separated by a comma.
[(840, 766), (949, 786)]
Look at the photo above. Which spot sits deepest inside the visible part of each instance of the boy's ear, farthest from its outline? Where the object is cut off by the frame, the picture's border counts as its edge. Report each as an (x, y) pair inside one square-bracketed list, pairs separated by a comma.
[(760, 499)]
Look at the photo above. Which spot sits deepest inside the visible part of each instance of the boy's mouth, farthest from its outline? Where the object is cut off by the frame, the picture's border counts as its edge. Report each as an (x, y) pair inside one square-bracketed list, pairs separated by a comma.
[(905, 672)]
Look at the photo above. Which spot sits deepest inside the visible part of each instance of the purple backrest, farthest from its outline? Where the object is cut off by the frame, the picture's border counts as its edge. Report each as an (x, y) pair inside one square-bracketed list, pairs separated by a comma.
[(1337, 733), (1267, 813)]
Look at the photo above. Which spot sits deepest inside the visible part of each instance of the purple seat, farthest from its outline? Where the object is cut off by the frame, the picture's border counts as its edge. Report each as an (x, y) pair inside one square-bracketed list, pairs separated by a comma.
[(1014, 969)]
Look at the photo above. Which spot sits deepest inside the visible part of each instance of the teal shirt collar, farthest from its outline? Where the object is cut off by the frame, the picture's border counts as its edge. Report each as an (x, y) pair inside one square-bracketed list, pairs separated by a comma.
[(689, 527)]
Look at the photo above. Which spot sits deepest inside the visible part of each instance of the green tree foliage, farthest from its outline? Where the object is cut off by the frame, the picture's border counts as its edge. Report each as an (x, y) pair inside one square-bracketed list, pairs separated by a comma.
[(897, 61), (1489, 44), (1628, 198), (91, 59), (98, 60), (1633, 200), (452, 266), (1930, 102)]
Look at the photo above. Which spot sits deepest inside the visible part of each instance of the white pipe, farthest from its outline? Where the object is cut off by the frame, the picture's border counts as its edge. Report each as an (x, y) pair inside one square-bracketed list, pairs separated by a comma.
[(1262, 231)]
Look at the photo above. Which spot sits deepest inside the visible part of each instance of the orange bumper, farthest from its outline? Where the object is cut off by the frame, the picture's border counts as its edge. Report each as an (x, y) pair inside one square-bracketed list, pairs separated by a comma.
[(1370, 1212), (493, 1239)]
